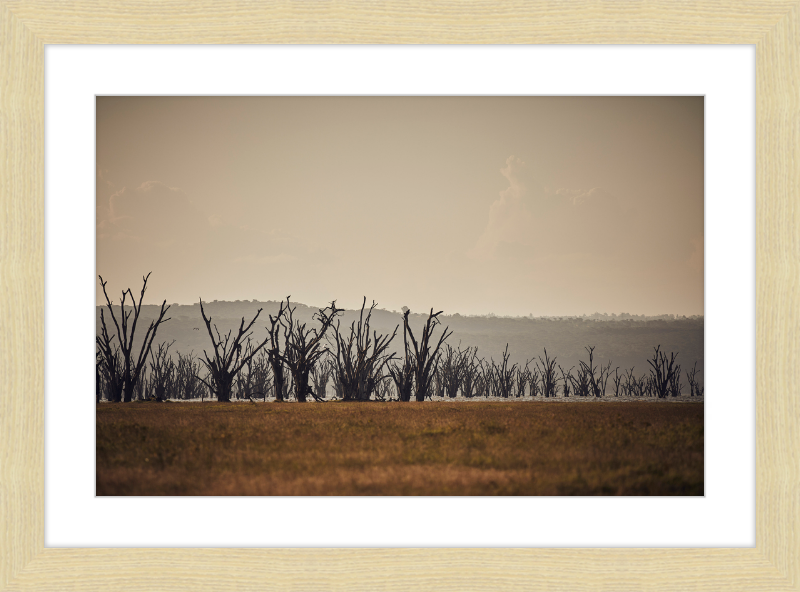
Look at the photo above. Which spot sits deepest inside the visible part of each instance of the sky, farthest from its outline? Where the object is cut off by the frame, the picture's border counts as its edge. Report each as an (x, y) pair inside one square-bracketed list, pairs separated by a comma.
[(544, 206)]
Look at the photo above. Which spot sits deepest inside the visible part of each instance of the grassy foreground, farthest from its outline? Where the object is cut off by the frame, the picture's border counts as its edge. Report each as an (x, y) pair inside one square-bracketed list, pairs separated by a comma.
[(491, 448)]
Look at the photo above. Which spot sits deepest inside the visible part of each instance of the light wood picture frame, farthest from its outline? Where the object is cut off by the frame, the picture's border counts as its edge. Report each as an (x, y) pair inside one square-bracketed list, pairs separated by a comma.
[(25, 27)]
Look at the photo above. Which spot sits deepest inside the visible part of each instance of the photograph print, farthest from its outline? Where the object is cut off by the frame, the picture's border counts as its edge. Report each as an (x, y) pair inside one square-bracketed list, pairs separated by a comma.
[(410, 295)]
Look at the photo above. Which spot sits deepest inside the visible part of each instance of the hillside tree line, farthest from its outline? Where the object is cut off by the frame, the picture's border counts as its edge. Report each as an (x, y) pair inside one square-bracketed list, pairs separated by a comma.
[(297, 361)]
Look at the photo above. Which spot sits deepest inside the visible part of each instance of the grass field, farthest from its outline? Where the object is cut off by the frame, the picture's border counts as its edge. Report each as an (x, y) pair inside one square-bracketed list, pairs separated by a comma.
[(492, 448)]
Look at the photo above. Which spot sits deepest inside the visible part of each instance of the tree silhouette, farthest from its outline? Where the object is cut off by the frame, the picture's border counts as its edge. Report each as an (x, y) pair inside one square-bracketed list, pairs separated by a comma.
[(130, 369), (228, 356), (359, 368), (304, 347), (274, 353), (549, 378), (423, 360), (662, 371), (162, 372)]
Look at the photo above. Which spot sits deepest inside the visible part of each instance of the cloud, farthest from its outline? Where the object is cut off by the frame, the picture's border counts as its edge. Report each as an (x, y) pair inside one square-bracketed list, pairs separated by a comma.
[(696, 260), (572, 246), (509, 218), (155, 220), (152, 212), (528, 221), (593, 201), (520, 177), (103, 183), (103, 187)]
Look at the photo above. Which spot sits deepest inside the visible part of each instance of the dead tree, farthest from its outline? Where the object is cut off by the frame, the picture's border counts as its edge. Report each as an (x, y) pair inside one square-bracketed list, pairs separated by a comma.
[(469, 379), (403, 375), (662, 371), (423, 360), (643, 386), (589, 372), (338, 389), (631, 384), (229, 357), (98, 360), (452, 368), (162, 372), (492, 377), (245, 380), (142, 387), (383, 387), (360, 358), (504, 376), (483, 382), (675, 386), (639, 387), (617, 381), (320, 376), (438, 383), (261, 375), (188, 384), (581, 385), (275, 356), (255, 383), (403, 378), (521, 380), (108, 380), (131, 368), (204, 382), (110, 364), (597, 377), (566, 380), (288, 387), (647, 386), (694, 387), (304, 347), (549, 378), (602, 380), (536, 383)]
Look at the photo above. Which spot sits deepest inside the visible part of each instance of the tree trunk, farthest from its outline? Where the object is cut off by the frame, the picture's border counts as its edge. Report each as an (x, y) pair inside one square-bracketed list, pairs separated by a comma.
[(115, 391), (405, 392), (277, 375), (127, 389), (224, 387), (301, 388)]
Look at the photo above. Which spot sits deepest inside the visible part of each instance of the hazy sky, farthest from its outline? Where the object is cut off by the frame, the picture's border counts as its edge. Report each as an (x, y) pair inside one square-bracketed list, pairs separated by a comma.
[(509, 205)]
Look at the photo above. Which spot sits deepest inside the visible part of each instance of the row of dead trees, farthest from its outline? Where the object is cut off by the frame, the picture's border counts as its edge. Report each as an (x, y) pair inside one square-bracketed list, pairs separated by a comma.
[(297, 361), (356, 360), (461, 372)]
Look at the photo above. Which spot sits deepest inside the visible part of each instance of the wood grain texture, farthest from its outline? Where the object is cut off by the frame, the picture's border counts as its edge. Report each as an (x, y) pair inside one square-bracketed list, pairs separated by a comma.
[(413, 21), (25, 27), (21, 296), (777, 292)]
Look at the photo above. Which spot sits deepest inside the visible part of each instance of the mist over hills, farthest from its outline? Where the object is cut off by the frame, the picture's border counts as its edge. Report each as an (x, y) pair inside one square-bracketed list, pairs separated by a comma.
[(626, 340)]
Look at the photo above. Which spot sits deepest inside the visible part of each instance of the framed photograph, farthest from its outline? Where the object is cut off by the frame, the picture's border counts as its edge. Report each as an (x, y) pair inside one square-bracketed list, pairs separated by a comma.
[(269, 561), (329, 198)]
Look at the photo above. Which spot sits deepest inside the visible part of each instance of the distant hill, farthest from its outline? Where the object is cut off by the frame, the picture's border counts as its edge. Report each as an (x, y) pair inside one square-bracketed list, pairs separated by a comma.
[(626, 340)]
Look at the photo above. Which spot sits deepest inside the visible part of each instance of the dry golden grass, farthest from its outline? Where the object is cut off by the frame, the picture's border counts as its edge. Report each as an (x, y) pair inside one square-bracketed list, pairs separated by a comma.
[(490, 448)]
